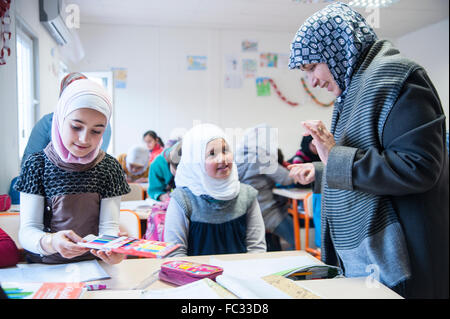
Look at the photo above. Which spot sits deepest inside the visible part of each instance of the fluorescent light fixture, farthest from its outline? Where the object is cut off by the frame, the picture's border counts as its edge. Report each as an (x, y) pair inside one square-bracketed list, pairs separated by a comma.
[(371, 3)]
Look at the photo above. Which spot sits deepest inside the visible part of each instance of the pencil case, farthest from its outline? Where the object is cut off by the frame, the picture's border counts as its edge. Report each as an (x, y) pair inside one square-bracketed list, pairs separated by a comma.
[(184, 272)]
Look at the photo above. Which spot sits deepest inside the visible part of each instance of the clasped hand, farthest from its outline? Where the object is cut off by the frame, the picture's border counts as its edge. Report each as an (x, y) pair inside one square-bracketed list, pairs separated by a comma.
[(324, 141)]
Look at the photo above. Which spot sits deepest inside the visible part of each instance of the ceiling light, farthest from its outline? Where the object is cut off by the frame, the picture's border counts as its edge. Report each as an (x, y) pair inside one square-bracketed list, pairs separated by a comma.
[(371, 3)]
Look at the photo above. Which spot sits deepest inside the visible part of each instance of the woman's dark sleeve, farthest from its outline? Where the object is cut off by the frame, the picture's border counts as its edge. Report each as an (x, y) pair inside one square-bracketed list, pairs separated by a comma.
[(413, 149)]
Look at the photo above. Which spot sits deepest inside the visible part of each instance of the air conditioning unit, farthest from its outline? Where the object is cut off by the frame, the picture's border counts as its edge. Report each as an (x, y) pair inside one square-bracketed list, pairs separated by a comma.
[(52, 17)]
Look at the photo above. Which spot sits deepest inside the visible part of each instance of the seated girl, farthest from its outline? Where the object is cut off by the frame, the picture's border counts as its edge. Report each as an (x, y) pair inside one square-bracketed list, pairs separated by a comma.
[(210, 211), (135, 164), (154, 143), (161, 180), (72, 188)]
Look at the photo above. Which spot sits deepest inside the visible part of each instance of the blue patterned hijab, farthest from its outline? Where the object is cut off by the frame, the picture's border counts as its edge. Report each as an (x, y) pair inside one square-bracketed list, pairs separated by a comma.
[(336, 35)]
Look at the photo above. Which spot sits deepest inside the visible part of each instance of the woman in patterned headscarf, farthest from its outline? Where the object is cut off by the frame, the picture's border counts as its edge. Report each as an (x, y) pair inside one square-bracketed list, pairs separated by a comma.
[(383, 166)]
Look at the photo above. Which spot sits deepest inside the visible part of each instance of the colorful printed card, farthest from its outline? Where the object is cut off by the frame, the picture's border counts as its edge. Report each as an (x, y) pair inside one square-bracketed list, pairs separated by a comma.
[(47, 290), (130, 246)]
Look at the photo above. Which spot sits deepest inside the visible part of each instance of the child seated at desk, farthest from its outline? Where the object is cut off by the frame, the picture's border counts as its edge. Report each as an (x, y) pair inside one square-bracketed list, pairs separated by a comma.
[(258, 165), (162, 173), (135, 164), (210, 211), (72, 188)]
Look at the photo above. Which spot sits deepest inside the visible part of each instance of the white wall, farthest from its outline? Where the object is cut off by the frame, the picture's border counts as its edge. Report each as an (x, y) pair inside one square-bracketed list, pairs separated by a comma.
[(9, 139), (162, 95), (429, 47)]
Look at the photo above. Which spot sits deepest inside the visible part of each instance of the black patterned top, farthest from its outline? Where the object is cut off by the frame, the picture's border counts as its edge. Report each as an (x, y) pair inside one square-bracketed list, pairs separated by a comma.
[(40, 176)]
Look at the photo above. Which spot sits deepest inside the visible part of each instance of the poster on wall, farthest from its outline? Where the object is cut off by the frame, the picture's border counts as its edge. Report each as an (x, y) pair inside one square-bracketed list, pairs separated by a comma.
[(120, 78), (283, 60), (262, 86), (231, 63), (196, 62), (249, 46), (268, 60), (233, 81), (249, 68)]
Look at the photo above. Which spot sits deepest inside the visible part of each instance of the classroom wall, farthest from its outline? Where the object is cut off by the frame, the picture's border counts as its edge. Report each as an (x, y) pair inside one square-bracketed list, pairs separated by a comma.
[(161, 94), (9, 141), (430, 48)]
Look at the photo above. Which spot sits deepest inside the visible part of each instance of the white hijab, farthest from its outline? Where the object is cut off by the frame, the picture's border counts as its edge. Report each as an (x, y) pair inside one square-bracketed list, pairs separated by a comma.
[(137, 155), (79, 94), (191, 172)]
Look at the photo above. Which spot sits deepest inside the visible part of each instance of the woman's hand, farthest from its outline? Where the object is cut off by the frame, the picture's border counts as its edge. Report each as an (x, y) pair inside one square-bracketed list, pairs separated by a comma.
[(302, 173), (323, 140), (65, 243), (108, 256)]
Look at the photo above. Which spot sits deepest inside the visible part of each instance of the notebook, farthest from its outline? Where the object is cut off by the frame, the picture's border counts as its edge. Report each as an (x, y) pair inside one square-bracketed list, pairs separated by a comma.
[(130, 246)]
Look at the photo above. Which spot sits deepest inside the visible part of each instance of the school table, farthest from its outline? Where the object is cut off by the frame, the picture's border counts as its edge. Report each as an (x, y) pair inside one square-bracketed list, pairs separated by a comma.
[(294, 195), (141, 207), (130, 272)]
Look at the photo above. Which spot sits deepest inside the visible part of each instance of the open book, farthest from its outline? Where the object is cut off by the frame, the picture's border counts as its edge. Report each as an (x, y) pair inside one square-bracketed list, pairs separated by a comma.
[(130, 246)]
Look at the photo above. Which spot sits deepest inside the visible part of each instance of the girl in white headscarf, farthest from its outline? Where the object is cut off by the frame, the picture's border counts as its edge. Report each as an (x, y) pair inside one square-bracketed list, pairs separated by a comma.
[(72, 188), (135, 164), (211, 212)]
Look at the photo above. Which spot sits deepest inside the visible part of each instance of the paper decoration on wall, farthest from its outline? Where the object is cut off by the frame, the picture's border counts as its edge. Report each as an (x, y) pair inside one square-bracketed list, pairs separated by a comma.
[(268, 60), (249, 46), (313, 97), (196, 62), (120, 78), (5, 31), (233, 81), (262, 86), (249, 68), (281, 95), (231, 63), (283, 61)]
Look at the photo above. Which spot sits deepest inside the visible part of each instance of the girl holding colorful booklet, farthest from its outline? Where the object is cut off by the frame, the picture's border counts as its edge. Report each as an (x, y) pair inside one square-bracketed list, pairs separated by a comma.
[(72, 188)]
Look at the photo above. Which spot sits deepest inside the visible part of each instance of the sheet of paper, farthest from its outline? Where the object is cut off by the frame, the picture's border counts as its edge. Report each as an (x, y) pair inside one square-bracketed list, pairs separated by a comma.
[(257, 268), (73, 272), (200, 289), (252, 288)]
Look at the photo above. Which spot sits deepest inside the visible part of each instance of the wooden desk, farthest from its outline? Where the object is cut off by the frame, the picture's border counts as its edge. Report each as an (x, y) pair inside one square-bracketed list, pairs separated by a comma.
[(129, 273), (295, 195)]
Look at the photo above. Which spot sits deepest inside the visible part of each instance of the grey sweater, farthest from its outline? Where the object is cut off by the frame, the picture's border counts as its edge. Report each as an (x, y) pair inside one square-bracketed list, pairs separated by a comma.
[(274, 208)]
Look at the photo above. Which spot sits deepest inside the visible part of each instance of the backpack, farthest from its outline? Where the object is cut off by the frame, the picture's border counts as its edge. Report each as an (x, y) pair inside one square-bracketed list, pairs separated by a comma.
[(155, 222)]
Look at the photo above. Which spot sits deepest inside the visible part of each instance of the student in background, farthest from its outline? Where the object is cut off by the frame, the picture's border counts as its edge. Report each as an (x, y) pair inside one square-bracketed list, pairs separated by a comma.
[(135, 164), (154, 144), (72, 188), (384, 167), (8, 250), (307, 152), (257, 164), (210, 211), (162, 173)]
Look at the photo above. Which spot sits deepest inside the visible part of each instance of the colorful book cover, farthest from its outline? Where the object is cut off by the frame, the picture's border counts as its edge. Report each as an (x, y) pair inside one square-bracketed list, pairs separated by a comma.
[(47, 290), (130, 246)]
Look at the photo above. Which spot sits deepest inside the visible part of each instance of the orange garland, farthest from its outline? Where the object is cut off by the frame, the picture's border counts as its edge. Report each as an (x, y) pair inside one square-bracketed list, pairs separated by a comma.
[(313, 97), (281, 95)]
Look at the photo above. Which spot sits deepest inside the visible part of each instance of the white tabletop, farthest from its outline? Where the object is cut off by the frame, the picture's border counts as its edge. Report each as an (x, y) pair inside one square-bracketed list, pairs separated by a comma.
[(129, 273), (141, 207)]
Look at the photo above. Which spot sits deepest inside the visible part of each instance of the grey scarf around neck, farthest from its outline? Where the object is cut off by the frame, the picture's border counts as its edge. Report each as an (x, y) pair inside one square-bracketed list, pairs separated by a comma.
[(364, 228)]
